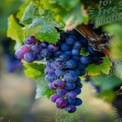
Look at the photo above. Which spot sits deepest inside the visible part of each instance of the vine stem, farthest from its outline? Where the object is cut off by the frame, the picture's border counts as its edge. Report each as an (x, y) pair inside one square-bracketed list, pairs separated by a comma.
[(87, 32)]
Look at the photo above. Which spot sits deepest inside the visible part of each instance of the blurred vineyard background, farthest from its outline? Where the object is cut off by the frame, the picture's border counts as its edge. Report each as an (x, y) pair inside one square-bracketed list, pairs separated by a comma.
[(17, 92)]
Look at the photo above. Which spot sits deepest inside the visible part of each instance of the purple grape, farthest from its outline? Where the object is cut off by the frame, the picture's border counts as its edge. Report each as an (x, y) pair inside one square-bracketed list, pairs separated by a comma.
[(90, 50), (61, 103), (58, 65), (78, 101), (46, 53), (71, 40), (20, 53), (71, 101), (71, 94), (87, 78), (76, 58), (58, 53), (52, 48), (78, 45), (65, 47), (70, 108), (51, 77), (54, 97), (69, 53), (70, 77), (61, 91), (75, 52), (35, 48), (59, 72), (77, 90), (58, 83), (43, 45), (50, 85), (49, 70), (29, 57), (71, 64), (30, 40), (70, 86), (39, 57), (64, 57), (86, 59)]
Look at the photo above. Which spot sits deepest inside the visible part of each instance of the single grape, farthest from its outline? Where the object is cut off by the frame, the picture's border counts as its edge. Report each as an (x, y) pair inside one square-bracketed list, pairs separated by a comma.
[(78, 101), (50, 85), (58, 83), (43, 45), (64, 57), (60, 73), (76, 58), (70, 86), (71, 94), (61, 103), (46, 53), (65, 47), (77, 90), (30, 40), (35, 48), (71, 101), (86, 59), (52, 48), (75, 52), (71, 40), (69, 77), (50, 77), (77, 45), (58, 53), (61, 91), (29, 57), (70, 108), (71, 64), (39, 57), (90, 50), (54, 97)]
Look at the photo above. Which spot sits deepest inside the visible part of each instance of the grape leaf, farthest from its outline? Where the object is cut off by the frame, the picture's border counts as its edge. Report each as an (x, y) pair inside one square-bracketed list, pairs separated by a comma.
[(43, 29), (34, 70), (30, 13), (75, 17), (105, 67), (119, 69), (107, 82), (43, 89), (116, 42), (107, 96), (15, 31), (22, 9)]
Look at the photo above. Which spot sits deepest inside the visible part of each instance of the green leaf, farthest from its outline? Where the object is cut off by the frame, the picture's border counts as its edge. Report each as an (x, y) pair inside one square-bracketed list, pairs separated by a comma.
[(30, 13), (116, 42), (22, 9), (105, 67), (107, 82), (84, 52), (119, 69), (107, 96), (43, 29), (15, 31), (34, 70), (75, 17), (43, 89)]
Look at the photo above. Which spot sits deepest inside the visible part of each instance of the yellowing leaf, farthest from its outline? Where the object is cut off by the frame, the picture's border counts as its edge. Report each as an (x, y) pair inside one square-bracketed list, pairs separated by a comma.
[(15, 31)]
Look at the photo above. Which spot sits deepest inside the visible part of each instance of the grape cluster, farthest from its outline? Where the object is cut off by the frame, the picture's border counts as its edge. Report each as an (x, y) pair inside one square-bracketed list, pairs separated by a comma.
[(64, 64)]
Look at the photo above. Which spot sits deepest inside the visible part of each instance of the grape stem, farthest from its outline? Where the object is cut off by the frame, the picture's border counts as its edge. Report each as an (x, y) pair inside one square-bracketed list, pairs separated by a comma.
[(87, 32)]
